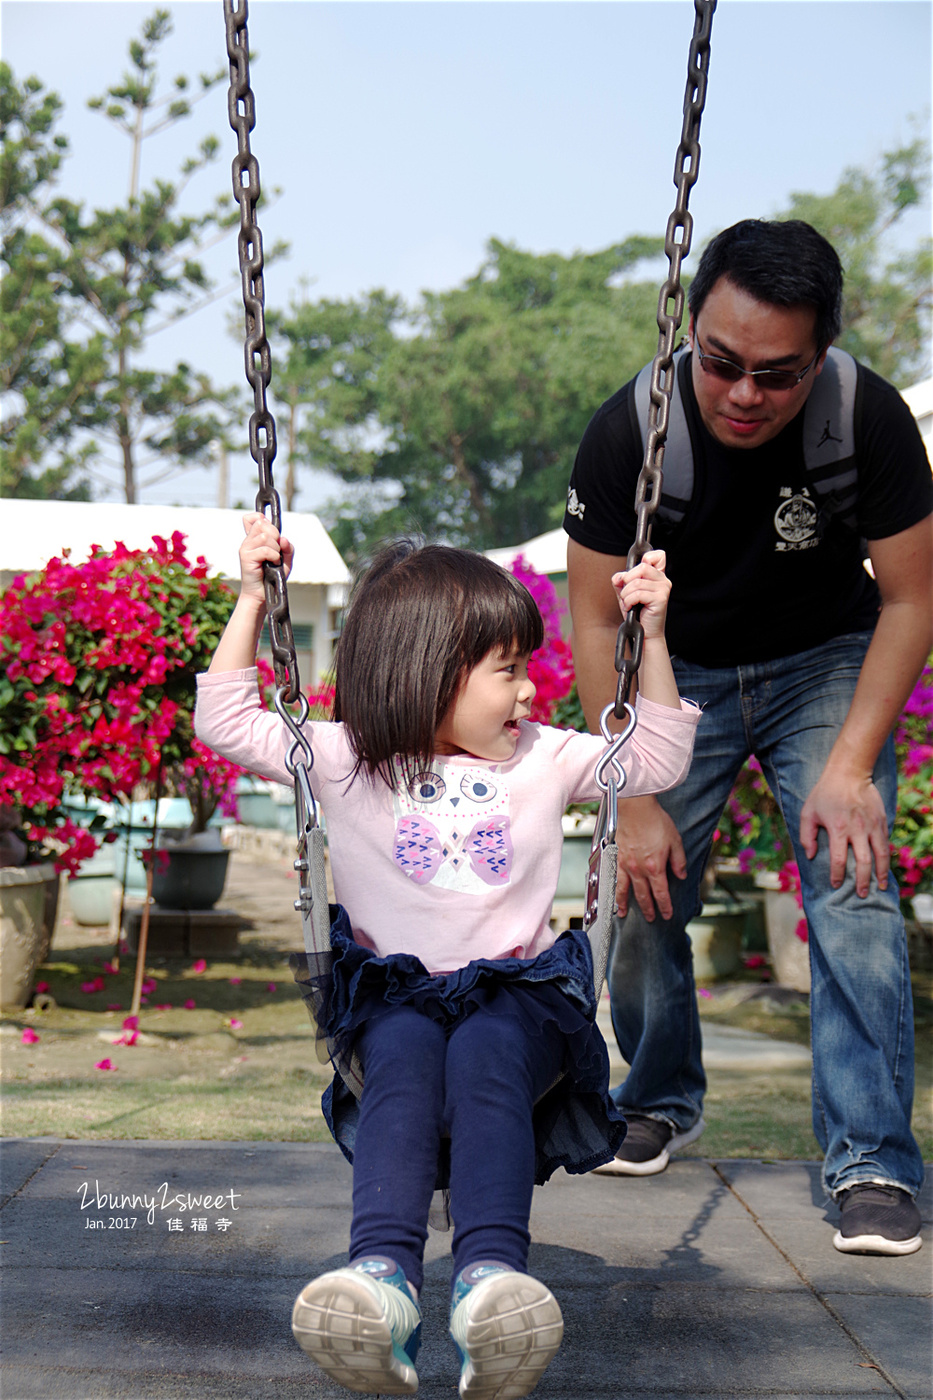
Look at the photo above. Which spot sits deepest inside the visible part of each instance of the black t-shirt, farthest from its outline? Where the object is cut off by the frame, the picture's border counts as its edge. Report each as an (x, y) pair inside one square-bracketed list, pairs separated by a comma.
[(753, 578)]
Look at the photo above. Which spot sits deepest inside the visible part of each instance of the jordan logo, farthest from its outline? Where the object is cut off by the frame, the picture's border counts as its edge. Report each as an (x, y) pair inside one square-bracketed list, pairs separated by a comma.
[(828, 436)]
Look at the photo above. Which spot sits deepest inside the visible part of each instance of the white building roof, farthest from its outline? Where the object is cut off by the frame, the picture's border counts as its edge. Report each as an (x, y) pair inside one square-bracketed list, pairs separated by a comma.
[(33, 532), (547, 553), (919, 399)]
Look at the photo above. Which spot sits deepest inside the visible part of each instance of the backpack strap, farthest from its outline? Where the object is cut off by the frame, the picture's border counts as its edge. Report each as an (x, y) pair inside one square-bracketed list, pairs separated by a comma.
[(828, 439), (677, 483)]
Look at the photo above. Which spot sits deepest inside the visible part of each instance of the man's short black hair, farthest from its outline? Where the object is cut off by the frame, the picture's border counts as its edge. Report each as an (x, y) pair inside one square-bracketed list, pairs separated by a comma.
[(781, 263)]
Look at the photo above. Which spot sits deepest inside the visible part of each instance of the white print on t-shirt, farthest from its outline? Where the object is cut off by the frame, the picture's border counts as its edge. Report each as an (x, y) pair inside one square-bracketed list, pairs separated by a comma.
[(574, 505), (795, 521), (452, 828)]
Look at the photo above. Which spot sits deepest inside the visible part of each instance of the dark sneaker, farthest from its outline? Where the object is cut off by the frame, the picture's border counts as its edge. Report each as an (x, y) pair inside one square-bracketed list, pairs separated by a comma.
[(648, 1147), (878, 1220), (507, 1327), (362, 1326)]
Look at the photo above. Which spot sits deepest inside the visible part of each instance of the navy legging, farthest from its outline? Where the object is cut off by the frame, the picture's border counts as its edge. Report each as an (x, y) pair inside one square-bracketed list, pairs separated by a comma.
[(477, 1083)]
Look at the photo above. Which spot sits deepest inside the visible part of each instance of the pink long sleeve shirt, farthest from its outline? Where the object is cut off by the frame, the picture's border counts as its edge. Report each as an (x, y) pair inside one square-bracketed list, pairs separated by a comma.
[(463, 862)]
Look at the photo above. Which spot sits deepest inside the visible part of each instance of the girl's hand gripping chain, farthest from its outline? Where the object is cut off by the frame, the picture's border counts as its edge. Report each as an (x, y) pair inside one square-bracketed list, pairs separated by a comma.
[(263, 544), (648, 585), (237, 648)]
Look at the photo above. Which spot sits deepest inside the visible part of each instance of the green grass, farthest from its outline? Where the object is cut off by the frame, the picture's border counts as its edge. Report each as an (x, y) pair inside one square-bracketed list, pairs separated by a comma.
[(194, 1075)]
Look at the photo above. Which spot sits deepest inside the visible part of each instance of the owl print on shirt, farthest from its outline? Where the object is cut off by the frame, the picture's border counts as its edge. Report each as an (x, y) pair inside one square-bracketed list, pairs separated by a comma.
[(452, 828)]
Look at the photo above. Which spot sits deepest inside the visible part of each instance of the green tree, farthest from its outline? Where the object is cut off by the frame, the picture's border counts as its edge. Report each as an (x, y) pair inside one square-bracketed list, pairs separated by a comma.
[(46, 378), (461, 418), (888, 294), (328, 355), (117, 275)]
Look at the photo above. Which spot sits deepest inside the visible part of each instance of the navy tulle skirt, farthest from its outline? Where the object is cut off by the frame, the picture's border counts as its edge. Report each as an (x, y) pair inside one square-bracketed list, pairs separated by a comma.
[(577, 1126)]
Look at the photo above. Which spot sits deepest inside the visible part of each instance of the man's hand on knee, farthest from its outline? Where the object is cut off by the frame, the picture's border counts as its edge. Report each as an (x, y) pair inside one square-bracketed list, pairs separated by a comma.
[(648, 842), (851, 811)]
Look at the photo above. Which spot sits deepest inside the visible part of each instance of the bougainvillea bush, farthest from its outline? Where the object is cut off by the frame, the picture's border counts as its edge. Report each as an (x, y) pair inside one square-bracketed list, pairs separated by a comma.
[(551, 666), (912, 837), (752, 828), (97, 668)]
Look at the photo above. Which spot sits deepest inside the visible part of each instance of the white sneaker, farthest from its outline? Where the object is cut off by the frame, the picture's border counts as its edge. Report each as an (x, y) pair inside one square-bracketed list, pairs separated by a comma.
[(362, 1326), (507, 1327)]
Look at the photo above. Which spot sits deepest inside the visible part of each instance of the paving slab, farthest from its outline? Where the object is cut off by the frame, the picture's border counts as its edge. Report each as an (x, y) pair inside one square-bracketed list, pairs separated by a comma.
[(21, 1158), (897, 1332), (788, 1202), (683, 1226), (676, 1286), (724, 1047)]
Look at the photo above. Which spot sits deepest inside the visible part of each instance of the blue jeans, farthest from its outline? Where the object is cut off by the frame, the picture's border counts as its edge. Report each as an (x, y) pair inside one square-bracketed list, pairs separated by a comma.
[(478, 1083), (788, 713)]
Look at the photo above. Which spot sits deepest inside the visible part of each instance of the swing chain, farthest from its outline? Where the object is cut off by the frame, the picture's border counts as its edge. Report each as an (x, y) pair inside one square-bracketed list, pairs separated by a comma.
[(241, 110), (631, 635)]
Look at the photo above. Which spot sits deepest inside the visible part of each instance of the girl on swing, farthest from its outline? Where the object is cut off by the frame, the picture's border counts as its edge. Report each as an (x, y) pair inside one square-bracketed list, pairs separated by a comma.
[(471, 1018)]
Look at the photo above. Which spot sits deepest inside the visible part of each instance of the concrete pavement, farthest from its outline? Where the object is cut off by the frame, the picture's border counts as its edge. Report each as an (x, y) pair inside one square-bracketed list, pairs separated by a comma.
[(715, 1279)]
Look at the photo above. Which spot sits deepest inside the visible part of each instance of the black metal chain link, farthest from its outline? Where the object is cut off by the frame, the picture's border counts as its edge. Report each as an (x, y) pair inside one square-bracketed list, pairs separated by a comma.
[(631, 636), (241, 109)]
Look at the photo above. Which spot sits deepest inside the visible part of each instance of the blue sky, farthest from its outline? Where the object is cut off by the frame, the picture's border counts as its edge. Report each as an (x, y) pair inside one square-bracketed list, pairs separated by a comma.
[(405, 134)]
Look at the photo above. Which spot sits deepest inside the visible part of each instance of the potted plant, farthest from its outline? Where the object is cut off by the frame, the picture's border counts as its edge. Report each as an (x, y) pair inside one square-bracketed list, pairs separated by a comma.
[(752, 838), (97, 667)]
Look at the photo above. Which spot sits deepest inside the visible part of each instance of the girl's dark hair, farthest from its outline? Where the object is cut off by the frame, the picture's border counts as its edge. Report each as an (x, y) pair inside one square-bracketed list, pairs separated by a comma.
[(782, 263), (420, 618)]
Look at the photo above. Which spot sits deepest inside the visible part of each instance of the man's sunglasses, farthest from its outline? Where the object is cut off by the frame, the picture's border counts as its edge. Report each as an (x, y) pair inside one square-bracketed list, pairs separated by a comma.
[(764, 378)]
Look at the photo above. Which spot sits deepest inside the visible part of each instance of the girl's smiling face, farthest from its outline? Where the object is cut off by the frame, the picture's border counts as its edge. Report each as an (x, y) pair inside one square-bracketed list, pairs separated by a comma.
[(484, 719)]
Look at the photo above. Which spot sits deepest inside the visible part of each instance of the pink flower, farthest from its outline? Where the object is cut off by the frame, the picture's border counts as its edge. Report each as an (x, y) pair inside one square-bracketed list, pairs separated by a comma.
[(105, 1064), (163, 1006), (29, 1036), (270, 987), (189, 1005), (754, 960), (702, 992), (801, 931), (199, 966), (234, 1024), (110, 969), (149, 986), (115, 1006), (235, 981), (41, 987), (131, 1023)]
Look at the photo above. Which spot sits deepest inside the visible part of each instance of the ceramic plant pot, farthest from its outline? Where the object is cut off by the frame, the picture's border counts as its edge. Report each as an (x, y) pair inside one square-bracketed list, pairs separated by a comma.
[(790, 955), (716, 939), (23, 934), (191, 874)]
